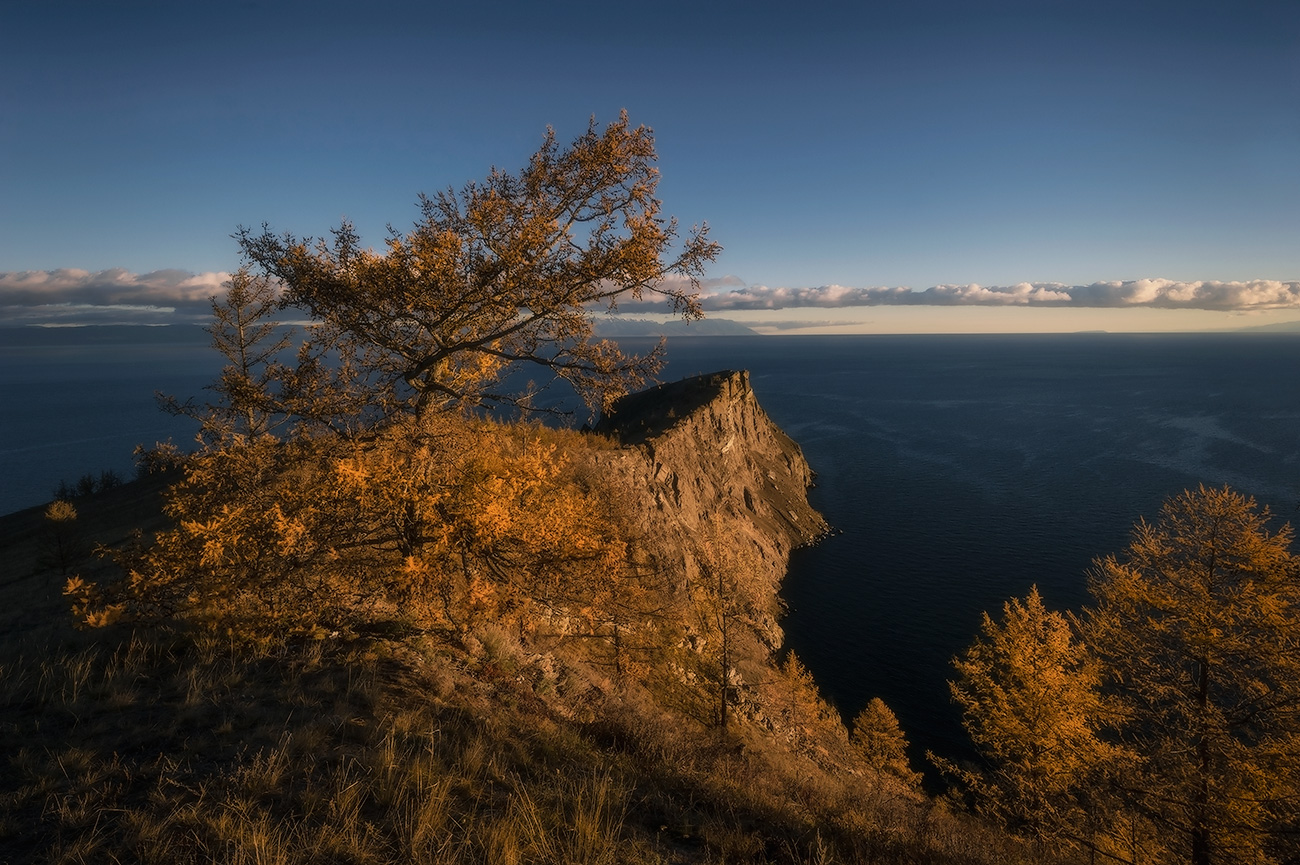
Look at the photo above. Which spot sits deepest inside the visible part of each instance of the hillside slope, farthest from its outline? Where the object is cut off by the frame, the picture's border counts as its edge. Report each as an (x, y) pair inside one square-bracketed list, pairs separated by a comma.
[(677, 737)]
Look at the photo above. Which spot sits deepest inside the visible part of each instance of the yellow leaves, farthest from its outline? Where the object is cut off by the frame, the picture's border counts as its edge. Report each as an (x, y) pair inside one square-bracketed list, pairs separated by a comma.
[(83, 595), (351, 473), (880, 742), (510, 491), (88, 607), (1181, 683), (1030, 694), (501, 275), (291, 533), (216, 544), (453, 517), (1028, 688), (61, 511), (482, 599), (102, 617), (229, 536), (1195, 628)]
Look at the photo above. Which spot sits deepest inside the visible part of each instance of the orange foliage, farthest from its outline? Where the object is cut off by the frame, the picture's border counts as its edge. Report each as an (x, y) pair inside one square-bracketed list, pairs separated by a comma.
[(450, 522), (502, 275)]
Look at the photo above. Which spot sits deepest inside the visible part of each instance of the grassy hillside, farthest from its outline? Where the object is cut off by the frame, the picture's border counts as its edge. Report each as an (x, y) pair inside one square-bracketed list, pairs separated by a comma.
[(404, 744)]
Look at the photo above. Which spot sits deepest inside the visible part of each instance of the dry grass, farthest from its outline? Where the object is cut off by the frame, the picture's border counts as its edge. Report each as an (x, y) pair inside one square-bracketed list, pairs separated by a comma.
[(189, 751), (281, 759), (427, 748)]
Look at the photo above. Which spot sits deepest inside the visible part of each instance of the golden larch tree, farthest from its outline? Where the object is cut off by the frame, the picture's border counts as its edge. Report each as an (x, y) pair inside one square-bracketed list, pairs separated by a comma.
[(504, 274), (1197, 629), (1031, 702), (356, 479), (879, 740)]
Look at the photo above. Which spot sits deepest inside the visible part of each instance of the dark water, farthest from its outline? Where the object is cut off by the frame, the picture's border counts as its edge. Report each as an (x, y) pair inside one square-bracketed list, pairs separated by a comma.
[(964, 469), (960, 469), (73, 403)]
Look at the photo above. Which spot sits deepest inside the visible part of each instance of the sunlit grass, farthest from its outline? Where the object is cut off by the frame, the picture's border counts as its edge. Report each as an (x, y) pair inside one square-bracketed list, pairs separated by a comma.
[(187, 751)]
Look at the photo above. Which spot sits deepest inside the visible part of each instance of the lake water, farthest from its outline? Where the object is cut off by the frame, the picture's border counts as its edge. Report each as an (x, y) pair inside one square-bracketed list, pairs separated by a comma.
[(964, 469), (960, 470), (78, 401)]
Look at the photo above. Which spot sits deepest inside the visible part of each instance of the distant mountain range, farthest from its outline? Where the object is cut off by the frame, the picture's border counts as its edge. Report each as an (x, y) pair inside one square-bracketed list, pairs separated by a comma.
[(109, 334), (1279, 327), (612, 327)]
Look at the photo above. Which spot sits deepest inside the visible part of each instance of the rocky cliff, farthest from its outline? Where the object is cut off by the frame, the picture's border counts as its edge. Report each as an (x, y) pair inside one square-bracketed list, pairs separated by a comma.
[(702, 463)]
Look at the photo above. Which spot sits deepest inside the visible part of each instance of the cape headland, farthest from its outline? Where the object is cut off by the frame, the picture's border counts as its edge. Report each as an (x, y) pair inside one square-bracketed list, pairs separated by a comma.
[(701, 458), (651, 722)]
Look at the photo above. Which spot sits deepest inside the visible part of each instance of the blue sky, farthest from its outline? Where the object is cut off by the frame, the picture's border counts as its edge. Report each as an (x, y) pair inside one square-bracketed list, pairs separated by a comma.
[(831, 147)]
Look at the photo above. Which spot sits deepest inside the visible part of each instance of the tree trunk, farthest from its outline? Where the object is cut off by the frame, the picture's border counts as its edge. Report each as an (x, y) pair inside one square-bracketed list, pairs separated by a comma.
[(1201, 799)]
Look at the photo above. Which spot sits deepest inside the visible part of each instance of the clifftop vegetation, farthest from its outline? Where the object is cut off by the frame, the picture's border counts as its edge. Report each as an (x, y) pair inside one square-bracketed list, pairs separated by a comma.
[(1163, 723)]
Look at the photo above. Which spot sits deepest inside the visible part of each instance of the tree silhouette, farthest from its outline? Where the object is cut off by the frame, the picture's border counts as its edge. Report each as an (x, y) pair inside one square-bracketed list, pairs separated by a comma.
[(253, 388)]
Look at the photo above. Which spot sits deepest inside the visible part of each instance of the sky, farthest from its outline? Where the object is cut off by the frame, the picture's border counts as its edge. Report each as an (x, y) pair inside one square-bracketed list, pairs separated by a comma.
[(928, 165)]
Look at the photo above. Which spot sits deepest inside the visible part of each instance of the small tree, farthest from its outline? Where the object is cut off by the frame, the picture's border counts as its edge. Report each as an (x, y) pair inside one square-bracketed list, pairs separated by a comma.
[(879, 740), (253, 387), (63, 544), (1030, 696), (727, 605), (502, 275), (720, 605)]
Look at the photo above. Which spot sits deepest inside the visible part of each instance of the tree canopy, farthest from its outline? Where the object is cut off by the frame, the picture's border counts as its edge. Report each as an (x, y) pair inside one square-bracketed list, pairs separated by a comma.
[(503, 274), (350, 481), (1030, 696), (1197, 629), (1163, 725)]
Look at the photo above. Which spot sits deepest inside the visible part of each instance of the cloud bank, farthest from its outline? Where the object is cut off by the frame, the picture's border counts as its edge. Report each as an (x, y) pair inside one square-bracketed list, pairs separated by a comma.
[(1259, 294), (68, 296)]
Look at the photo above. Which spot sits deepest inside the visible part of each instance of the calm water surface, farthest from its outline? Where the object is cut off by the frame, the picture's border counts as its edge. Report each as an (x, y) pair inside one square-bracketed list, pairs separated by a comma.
[(959, 470), (75, 403), (964, 469)]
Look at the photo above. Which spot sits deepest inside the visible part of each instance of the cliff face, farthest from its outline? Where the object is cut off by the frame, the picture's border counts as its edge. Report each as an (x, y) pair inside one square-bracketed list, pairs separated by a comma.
[(702, 463)]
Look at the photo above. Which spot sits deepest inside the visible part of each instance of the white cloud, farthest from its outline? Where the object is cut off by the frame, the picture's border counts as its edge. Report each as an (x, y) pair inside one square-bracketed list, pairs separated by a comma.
[(107, 296), (162, 296), (181, 289), (1259, 294)]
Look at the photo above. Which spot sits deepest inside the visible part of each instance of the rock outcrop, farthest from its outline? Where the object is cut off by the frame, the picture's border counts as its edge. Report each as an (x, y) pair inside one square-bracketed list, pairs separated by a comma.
[(700, 459)]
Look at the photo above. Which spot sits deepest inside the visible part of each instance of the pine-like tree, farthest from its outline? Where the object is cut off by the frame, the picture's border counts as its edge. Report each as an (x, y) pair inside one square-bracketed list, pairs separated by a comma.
[(1031, 700), (1197, 629), (880, 741), (252, 390)]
